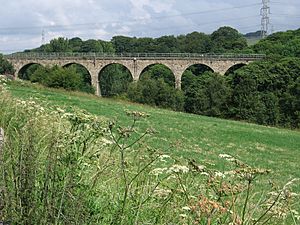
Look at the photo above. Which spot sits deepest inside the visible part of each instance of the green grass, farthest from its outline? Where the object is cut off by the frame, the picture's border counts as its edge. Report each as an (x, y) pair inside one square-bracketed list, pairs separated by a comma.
[(191, 136)]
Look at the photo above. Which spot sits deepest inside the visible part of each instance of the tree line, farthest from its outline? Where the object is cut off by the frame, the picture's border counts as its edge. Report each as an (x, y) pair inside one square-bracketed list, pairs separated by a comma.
[(222, 40)]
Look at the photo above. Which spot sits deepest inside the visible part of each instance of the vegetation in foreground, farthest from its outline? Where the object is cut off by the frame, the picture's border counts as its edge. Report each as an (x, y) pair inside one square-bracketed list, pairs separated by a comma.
[(66, 166)]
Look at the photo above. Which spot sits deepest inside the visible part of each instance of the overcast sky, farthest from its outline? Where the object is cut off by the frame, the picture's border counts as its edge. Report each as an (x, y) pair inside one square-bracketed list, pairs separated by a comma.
[(22, 22)]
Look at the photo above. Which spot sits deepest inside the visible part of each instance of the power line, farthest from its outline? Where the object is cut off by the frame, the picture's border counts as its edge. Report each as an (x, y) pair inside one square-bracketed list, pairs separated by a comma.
[(284, 3), (265, 20), (285, 15)]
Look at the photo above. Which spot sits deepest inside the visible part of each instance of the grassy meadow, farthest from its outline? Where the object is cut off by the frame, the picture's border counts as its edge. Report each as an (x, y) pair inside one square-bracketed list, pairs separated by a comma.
[(130, 185), (188, 135)]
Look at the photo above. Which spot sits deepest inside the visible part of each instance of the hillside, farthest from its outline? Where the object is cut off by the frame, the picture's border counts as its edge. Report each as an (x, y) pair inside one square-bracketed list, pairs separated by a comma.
[(253, 37), (188, 135), (73, 158)]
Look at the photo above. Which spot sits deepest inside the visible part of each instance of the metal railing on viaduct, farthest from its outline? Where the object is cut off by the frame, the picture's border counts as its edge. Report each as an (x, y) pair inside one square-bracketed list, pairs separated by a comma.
[(93, 55), (134, 62)]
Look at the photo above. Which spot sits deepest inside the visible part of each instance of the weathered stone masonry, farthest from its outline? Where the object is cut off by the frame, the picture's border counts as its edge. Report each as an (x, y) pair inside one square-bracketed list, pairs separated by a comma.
[(134, 65)]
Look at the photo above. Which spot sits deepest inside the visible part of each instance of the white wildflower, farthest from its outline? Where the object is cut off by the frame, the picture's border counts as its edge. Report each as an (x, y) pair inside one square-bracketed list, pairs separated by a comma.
[(186, 208), (172, 177), (178, 168), (231, 173), (227, 157), (183, 215), (219, 174), (158, 171), (163, 158), (106, 141), (205, 174), (160, 192)]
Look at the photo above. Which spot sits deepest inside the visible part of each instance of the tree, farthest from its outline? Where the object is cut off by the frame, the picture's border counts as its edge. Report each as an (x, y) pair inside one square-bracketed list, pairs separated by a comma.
[(156, 92), (58, 77), (158, 71), (206, 94), (5, 66), (27, 71), (123, 44), (59, 45), (167, 44), (196, 43), (114, 80), (91, 46), (286, 44), (227, 39), (75, 44)]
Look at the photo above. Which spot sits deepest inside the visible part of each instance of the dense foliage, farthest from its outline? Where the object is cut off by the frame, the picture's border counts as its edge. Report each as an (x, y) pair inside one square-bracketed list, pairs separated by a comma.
[(206, 94), (57, 77), (266, 93), (225, 39), (75, 45), (114, 80), (5, 66), (280, 44), (156, 87)]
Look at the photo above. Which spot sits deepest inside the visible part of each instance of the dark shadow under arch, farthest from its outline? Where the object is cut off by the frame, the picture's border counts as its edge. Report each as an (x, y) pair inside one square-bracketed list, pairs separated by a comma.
[(234, 68), (114, 80), (157, 71), (27, 70), (192, 72)]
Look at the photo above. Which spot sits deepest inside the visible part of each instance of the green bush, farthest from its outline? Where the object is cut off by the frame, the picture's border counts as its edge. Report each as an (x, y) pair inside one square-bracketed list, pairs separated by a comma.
[(6, 67), (58, 77), (266, 93), (206, 94), (114, 80), (156, 92)]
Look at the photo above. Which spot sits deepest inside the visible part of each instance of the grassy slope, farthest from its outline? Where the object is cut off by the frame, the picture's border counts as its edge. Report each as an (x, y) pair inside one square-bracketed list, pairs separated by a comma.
[(193, 136)]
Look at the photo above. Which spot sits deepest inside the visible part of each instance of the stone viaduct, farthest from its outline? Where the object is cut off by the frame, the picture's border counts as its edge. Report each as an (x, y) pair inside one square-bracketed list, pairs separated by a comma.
[(135, 63)]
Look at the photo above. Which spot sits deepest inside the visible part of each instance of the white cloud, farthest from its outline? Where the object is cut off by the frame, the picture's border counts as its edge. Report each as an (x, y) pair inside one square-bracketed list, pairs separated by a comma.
[(25, 19)]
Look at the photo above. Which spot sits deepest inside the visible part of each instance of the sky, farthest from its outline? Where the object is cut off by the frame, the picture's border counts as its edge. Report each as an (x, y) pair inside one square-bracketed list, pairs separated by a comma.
[(26, 24)]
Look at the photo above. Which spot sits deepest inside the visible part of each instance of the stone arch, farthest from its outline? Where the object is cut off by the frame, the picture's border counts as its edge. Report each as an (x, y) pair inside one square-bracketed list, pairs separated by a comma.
[(173, 79), (204, 67), (117, 63), (24, 67), (199, 68), (126, 77), (234, 67), (87, 77)]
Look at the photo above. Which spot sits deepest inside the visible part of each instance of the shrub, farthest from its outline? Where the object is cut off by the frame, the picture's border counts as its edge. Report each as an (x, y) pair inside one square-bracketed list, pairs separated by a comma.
[(58, 77), (156, 92), (6, 67), (206, 95)]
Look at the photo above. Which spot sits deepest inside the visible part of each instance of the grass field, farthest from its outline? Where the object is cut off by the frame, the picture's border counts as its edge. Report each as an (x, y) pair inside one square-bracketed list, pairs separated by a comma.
[(62, 166), (191, 136)]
